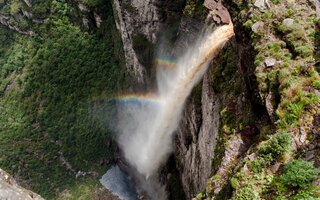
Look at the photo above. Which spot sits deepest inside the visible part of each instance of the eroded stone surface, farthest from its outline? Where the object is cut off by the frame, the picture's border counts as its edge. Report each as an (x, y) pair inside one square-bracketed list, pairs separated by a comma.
[(9, 189), (270, 61), (258, 26), (288, 21), (218, 11), (5, 20), (275, 168), (28, 3), (260, 4), (196, 141), (82, 7), (142, 17)]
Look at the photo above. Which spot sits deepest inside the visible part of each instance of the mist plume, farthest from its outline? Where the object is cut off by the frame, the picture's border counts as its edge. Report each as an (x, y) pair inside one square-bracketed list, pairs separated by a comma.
[(147, 123)]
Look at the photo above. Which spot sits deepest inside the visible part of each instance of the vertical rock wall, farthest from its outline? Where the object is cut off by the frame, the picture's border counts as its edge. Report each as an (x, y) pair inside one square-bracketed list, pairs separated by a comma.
[(147, 17), (196, 137), (196, 140)]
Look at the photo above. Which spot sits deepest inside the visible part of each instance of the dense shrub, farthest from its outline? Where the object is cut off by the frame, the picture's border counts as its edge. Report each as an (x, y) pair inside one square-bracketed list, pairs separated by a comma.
[(69, 68), (277, 145), (306, 195), (298, 173), (194, 8), (91, 2), (55, 88), (259, 163), (247, 193)]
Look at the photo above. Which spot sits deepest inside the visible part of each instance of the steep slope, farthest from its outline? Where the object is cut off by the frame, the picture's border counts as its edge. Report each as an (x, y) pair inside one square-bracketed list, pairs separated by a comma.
[(246, 127), (54, 91), (264, 82), (9, 189), (141, 25), (285, 54)]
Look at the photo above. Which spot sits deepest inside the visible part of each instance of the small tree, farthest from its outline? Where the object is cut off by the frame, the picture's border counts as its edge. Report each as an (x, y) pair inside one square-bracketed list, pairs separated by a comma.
[(299, 173), (277, 145)]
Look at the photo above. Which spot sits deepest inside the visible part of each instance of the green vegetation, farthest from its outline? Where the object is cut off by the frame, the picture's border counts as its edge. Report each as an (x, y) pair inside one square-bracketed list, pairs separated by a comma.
[(247, 193), (54, 91), (91, 2), (259, 163), (226, 71), (308, 194), (296, 36), (276, 1), (194, 8), (279, 144), (85, 188), (226, 78), (299, 173), (287, 74)]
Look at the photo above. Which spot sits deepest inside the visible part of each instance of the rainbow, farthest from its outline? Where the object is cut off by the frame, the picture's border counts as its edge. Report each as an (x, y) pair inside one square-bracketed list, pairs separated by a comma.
[(138, 99), (166, 62)]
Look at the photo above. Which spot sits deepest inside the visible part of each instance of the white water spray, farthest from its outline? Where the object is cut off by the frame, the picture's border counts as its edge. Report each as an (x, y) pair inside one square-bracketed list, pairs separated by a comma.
[(146, 130)]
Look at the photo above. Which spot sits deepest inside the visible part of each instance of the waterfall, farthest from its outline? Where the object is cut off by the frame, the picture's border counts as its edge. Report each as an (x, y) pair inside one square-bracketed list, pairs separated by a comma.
[(147, 122)]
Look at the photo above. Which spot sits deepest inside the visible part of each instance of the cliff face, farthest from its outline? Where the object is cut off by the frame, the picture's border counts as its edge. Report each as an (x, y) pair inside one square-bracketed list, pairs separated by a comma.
[(271, 39), (255, 110), (197, 135), (245, 97), (9, 189), (219, 121), (196, 140), (142, 20)]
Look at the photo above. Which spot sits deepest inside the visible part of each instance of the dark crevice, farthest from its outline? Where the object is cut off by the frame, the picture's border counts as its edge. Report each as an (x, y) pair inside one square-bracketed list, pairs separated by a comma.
[(247, 68), (171, 178), (289, 46), (316, 53)]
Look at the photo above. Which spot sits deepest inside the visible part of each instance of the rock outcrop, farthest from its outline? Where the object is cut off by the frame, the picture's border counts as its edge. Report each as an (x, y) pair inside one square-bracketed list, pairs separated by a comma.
[(9, 189), (142, 17), (196, 140), (4, 20), (197, 135)]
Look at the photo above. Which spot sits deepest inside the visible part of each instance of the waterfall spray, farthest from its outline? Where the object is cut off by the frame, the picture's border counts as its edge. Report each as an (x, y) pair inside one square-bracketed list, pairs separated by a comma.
[(146, 127)]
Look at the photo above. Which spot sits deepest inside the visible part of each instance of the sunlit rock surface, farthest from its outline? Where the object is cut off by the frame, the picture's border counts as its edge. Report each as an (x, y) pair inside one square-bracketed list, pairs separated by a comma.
[(9, 189)]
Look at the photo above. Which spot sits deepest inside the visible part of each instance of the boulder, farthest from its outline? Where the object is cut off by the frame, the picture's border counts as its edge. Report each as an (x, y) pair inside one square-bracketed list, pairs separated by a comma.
[(288, 21), (97, 19), (310, 155), (257, 27), (270, 61), (82, 7), (17, 17), (275, 168), (218, 11), (28, 3), (260, 4)]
